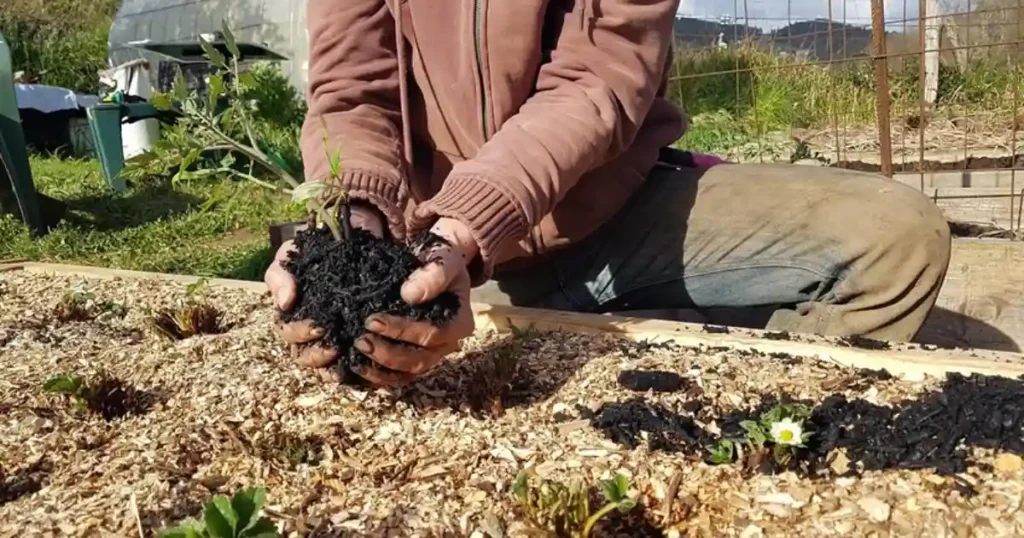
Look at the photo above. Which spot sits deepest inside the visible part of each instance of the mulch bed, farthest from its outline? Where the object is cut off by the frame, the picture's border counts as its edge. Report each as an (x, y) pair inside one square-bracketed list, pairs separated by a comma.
[(211, 414)]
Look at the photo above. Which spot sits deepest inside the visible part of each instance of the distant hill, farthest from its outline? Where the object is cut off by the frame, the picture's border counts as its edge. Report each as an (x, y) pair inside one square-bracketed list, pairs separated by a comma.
[(810, 38)]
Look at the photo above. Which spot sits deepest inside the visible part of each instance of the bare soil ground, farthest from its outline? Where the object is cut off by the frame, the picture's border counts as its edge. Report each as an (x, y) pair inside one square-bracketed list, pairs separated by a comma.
[(219, 412)]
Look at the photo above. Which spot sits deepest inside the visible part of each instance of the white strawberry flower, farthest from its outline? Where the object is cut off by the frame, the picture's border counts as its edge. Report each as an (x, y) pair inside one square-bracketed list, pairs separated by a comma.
[(787, 432)]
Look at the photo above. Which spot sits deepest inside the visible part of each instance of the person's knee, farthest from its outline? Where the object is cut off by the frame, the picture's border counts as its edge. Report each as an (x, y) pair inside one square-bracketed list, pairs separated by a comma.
[(918, 234)]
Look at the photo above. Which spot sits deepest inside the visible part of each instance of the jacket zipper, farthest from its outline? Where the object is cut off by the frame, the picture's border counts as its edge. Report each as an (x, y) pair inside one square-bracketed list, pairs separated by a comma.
[(478, 31)]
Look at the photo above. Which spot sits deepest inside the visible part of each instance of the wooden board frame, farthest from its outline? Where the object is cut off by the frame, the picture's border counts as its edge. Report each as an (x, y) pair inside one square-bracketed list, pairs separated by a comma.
[(909, 361)]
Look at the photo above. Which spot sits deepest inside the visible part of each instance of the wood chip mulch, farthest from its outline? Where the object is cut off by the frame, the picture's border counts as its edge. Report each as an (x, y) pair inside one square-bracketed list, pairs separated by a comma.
[(215, 413)]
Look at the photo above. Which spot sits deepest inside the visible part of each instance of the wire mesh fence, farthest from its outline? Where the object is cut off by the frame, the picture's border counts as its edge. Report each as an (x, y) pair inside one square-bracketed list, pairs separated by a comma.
[(928, 91)]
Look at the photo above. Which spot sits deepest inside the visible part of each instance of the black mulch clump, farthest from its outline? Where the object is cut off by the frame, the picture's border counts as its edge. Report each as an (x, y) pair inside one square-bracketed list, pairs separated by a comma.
[(624, 423), (936, 430), (653, 380), (933, 431), (341, 283), (634, 349), (864, 343)]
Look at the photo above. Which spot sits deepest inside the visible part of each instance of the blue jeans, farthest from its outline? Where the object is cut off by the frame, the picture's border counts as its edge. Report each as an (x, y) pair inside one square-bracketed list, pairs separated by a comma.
[(821, 250)]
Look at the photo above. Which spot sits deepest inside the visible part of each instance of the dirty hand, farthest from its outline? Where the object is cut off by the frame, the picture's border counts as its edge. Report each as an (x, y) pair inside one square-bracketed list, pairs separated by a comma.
[(417, 346), (284, 292)]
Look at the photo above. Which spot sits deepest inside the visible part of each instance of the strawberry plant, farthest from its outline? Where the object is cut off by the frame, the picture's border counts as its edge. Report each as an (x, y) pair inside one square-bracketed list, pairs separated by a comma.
[(238, 517)]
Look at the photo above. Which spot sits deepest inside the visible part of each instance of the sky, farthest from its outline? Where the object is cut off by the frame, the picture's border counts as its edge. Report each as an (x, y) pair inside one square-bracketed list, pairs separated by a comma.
[(775, 13)]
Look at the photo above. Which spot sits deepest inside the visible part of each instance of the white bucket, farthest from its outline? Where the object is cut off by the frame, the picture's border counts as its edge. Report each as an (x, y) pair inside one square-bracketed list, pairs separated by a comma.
[(132, 78)]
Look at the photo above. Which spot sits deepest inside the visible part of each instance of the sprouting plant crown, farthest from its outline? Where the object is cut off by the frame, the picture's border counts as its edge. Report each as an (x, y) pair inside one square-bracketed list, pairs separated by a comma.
[(564, 510)]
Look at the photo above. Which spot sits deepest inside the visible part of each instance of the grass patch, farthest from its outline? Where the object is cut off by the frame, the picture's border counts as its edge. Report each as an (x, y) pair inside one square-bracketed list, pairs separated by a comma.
[(214, 227)]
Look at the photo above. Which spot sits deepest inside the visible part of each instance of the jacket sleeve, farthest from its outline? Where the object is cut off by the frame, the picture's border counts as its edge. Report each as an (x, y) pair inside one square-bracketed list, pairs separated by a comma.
[(590, 99), (353, 91)]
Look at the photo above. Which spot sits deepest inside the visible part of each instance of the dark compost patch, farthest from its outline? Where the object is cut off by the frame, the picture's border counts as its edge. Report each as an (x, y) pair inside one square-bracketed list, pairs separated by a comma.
[(341, 283), (934, 431)]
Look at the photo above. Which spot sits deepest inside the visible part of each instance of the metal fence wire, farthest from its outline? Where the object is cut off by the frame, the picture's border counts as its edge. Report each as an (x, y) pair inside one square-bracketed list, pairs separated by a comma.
[(924, 91)]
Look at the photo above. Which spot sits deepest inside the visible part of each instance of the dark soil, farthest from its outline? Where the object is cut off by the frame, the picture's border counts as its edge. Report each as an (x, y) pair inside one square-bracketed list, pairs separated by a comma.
[(653, 380), (17, 484), (935, 431), (780, 335), (971, 163), (625, 422), (864, 343), (981, 230), (637, 348), (342, 283), (715, 329), (291, 450), (112, 398)]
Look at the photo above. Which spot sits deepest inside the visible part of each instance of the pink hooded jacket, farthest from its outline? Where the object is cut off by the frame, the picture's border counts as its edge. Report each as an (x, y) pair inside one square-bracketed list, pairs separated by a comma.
[(532, 121)]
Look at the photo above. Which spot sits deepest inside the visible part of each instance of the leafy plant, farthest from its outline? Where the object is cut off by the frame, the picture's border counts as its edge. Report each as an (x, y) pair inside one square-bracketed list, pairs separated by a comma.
[(564, 510), (238, 517), (213, 118), (81, 305), (782, 430), (105, 394), (191, 317), (722, 452)]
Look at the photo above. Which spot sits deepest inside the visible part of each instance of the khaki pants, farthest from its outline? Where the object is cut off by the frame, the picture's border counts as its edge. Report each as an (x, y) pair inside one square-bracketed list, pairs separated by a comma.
[(821, 250)]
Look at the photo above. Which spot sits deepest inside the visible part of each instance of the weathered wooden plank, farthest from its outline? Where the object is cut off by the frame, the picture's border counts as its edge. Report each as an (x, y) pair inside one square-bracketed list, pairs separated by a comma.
[(908, 360), (1001, 179), (981, 304), (997, 206)]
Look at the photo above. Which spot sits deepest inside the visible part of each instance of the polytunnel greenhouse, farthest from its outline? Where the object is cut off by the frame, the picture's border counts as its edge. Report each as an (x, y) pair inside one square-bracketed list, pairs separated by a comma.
[(142, 26)]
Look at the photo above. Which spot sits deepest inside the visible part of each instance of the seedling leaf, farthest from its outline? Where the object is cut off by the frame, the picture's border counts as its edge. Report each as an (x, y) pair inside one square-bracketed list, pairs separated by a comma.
[(63, 384), (197, 287), (189, 529), (179, 88), (160, 101), (212, 53), (755, 433), (723, 452), (263, 528), (308, 191), (217, 524), (216, 89), (229, 40), (246, 504)]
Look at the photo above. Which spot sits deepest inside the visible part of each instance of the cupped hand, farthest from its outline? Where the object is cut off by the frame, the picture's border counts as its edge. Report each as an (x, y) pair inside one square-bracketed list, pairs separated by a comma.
[(408, 348), (285, 293)]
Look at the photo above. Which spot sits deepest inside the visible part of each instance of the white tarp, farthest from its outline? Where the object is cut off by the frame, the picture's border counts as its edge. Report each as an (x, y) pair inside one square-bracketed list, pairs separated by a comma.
[(48, 99)]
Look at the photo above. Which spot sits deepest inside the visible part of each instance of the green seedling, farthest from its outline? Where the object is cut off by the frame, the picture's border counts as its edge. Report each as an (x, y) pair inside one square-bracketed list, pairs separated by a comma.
[(211, 118), (564, 511), (724, 451), (191, 317), (238, 517), (81, 305), (782, 430)]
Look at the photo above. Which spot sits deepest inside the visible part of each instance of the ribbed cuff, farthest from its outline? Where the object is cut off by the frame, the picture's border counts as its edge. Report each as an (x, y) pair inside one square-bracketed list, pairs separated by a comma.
[(384, 194), (492, 216)]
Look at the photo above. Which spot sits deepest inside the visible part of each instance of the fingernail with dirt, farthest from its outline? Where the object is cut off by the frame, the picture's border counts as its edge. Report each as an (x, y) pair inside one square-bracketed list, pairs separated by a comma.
[(375, 326), (364, 346), (284, 298), (415, 290)]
